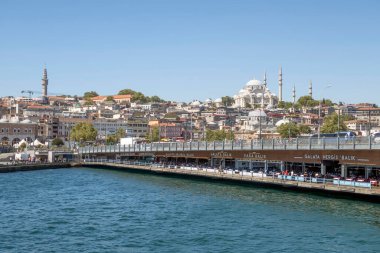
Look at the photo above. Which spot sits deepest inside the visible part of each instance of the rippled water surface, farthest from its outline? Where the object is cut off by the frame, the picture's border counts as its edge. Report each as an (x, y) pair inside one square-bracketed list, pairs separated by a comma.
[(93, 210)]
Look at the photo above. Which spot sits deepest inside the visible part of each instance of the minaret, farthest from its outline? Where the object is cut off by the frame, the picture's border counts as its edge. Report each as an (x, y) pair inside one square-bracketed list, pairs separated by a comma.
[(280, 85), (265, 79), (310, 89), (294, 94), (45, 83)]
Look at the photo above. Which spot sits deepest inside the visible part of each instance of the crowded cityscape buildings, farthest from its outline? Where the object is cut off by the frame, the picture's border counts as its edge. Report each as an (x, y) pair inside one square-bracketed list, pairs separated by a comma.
[(254, 112)]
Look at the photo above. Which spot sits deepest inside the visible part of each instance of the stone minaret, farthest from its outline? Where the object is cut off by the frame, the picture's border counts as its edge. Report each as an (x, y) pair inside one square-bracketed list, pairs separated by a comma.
[(294, 94), (265, 79), (310, 89), (45, 83), (280, 85)]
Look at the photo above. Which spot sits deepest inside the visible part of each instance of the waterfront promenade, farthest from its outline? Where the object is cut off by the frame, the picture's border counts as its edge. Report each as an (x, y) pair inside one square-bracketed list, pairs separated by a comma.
[(308, 184)]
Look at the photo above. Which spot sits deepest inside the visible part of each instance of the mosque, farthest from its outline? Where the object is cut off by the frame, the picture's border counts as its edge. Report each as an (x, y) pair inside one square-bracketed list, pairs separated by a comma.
[(256, 94)]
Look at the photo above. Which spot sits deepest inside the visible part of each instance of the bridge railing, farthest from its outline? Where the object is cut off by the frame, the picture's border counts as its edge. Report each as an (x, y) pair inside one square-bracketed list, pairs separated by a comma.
[(256, 144)]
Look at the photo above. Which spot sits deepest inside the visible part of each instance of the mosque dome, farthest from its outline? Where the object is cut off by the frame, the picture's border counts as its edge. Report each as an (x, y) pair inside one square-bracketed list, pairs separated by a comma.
[(218, 100), (283, 121), (3, 120), (257, 113), (14, 120), (26, 121), (254, 82), (207, 101), (196, 103)]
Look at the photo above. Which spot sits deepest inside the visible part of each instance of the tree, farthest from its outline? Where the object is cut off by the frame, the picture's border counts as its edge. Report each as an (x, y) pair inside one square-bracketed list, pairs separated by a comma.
[(307, 101), (139, 97), (154, 134), (115, 138), (89, 102), (327, 102), (330, 124), (109, 98), (120, 133), (90, 94), (304, 129), (288, 130), (227, 101), (285, 105), (111, 139), (22, 147), (57, 142), (127, 92), (83, 131), (219, 135), (156, 99)]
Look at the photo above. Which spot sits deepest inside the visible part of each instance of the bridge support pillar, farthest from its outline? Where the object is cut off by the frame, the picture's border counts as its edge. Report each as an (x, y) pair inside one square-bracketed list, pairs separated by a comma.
[(323, 169), (282, 166), (250, 165), (303, 168), (367, 171), (343, 170), (266, 166)]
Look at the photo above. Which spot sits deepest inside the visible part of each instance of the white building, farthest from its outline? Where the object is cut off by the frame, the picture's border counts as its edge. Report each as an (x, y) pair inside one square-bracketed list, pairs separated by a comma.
[(255, 120), (255, 94)]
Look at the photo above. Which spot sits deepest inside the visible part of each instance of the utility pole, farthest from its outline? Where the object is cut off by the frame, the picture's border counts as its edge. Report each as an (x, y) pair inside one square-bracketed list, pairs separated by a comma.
[(319, 120), (260, 125), (338, 119)]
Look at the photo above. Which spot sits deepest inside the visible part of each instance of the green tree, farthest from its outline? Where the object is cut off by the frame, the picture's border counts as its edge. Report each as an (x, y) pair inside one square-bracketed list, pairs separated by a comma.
[(330, 124), (285, 105), (304, 129), (120, 133), (230, 135), (219, 135), (328, 102), (127, 92), (57, 142), (307, 101), (156, 99), (109, 98), (154, 134), (227, 100), (288, 130), (139, 97), (111, 139), (83, 131), (22, 147), (89, 102), (90, 94)]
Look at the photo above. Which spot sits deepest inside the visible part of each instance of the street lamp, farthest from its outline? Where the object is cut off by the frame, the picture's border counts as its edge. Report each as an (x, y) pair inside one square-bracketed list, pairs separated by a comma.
[(338, 119)]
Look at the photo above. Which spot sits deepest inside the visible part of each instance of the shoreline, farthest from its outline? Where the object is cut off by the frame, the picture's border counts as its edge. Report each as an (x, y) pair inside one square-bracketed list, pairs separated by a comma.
[(32, 167)]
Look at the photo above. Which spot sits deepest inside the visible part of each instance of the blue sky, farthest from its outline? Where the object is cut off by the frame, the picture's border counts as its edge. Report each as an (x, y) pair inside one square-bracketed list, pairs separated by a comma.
[(198, 49)]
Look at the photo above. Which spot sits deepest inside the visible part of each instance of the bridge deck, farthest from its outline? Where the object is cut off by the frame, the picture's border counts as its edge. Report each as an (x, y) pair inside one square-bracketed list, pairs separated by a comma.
[(362, 143)]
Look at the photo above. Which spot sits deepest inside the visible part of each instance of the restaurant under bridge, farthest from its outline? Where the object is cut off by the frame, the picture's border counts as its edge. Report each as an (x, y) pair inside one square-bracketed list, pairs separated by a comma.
[(358, 157)]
